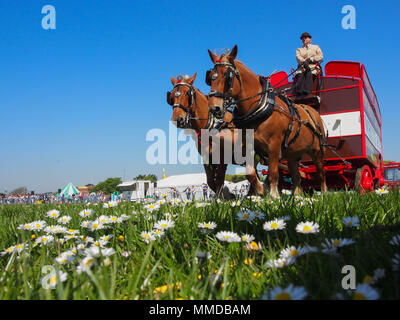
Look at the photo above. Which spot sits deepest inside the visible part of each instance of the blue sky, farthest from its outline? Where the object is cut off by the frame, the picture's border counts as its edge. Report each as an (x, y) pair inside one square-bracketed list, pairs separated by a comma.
[(77, 102)]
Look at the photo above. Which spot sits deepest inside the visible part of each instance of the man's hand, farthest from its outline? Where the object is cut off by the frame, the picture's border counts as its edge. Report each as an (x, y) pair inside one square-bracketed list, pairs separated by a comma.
[(307, 62)]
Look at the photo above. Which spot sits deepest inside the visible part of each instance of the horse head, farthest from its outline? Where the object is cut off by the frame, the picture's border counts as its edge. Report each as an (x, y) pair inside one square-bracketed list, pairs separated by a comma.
[(182, 98), (222, 81)]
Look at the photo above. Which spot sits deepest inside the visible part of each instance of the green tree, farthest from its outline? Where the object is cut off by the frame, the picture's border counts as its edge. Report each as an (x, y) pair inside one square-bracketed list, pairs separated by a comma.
[(108, 186)]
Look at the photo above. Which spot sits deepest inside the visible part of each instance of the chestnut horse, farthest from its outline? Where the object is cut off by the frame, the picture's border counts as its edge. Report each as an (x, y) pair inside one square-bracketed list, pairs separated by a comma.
[(190, 111), (233, 82)]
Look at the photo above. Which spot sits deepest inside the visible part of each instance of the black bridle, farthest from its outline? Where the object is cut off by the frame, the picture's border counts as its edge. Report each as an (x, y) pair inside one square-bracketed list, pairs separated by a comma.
[(230, 75), (191, 98)]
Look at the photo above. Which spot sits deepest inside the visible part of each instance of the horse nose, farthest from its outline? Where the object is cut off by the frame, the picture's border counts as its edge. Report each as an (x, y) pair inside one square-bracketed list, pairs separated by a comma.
[(180, 122), (217, 111)]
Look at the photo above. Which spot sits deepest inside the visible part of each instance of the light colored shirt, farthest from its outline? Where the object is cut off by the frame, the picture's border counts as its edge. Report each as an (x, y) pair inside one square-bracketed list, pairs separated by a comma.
[(313, 52)]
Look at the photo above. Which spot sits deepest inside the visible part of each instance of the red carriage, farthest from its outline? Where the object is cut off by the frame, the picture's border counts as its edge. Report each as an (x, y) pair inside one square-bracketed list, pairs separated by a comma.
[(351, 115), (392, 174)]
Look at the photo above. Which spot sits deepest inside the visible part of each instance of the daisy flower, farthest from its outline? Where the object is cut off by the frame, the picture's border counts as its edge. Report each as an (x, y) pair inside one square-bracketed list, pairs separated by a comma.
[(20, 247), (85, 224), (381, 191), (107, 262), (64, 259), (307, 227), (53, 214), (289, 293), (44, 239), (259, 215), (64, 219), (277, 224), (26, 226), (106, 237), (236, 204), (110, 204), (364, 292), (164, 224), (95, 225), (97, 252), (280, 263), (351, 222), (395, 241), (84, 240), (148, 236), (158, 233), (55, 278), (8, 250), (86, 213), (246, 216), (114, 219), (396, 262), (38, 225), (72, 231), (247, 238), (124, 217), (151, 207), (337, 242), (227, 236), (253, 246), (207, 225), (85, 264), (286, 192), (293, 252), (103, 219), (202, 204)]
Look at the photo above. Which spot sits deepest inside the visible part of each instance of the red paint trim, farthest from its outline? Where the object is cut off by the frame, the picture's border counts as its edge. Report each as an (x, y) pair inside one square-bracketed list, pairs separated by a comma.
[(337, 112)]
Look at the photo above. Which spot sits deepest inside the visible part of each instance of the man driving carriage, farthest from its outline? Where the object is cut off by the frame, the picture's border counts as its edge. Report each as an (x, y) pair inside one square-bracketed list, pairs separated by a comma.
[(308, 57)]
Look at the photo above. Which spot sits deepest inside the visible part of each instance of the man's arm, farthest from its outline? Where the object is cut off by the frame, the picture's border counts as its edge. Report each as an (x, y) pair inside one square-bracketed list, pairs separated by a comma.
[(299, 58), (319, 56)]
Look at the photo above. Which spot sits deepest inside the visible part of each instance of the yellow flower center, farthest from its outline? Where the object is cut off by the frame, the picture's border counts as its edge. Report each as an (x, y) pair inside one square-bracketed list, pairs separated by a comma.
[(53, 280), (246, 216), (207, 225), (38, 225), (274, 225), (88, 262), (283, 296), (163, 225), (294, 253), (146, 236), (254, 245), (336, 242), (359, 296), (350, 223), (44, 239), (306, 229), (226, 237), (367, 279), (64, 261), (114, 218), (95, 226)]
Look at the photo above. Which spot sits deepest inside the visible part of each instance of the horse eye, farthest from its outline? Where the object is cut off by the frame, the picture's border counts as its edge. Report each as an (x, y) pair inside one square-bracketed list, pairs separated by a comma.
[(177, 94), (214, 76)]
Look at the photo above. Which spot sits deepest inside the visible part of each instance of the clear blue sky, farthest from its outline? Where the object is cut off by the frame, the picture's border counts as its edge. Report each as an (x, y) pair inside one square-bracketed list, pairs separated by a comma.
[(76, 102)]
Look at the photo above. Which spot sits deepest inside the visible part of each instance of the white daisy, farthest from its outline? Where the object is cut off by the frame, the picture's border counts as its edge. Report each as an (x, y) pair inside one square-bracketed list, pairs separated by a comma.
[(207, 225), (110, 204), (246, 216), (286, 192), (44, 239), (253, 246), (158, 233), (396, 262), (381, 191), (151, 207), (164, 224), (106, 237), (277, 224), (236, 204), (202, 204), (64, 219), (227, 236), (53, 214), (259, 215), (38, 225), (85, 224), (328, 244), (103, 219), (292, 251), (307, 227), (64, 259), (85, 264), (26, 226), (289, 293), (95, 225), (86, 213), (280, 262), (148, 236), (8, 250), (96, 252), (55, 278), (364, 292), (247, 238), (107, 261), (351, 222)]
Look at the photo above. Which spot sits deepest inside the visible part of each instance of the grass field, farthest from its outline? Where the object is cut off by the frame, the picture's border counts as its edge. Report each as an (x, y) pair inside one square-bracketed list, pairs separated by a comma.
[(105, 254)]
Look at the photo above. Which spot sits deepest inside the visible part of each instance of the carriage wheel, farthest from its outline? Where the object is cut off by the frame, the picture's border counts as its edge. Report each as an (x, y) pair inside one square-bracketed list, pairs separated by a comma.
[(364, 179)]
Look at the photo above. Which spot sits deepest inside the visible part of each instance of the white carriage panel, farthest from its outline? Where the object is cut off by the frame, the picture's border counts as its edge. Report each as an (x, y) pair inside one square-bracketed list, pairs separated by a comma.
[(372, 135), (342, 124)]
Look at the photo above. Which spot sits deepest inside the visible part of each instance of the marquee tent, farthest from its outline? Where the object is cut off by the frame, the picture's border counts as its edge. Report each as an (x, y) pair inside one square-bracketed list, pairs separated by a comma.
[(69, 190)]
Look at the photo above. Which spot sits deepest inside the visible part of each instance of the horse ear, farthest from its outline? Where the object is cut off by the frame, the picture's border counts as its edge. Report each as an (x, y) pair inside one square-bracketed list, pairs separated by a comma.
[(173, 81), (212, 56), (233, 53), (191, 80)]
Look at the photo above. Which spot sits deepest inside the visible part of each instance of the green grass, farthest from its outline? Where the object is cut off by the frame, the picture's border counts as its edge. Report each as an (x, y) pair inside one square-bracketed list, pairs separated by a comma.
[(167, 268)]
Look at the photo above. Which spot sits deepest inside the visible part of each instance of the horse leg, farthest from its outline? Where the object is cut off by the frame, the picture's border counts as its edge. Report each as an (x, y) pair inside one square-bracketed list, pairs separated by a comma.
[(210, 169), (295, 174), (273, 172), (318, 160), (221, 190), (255, 184)]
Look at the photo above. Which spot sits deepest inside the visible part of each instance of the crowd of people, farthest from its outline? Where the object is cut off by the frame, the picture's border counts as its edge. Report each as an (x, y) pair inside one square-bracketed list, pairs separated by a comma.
[(54, 198)]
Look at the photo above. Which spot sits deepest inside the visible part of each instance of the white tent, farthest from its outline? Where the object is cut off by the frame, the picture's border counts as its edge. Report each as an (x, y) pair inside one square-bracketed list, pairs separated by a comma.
[(69, 190), (181, 182)]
